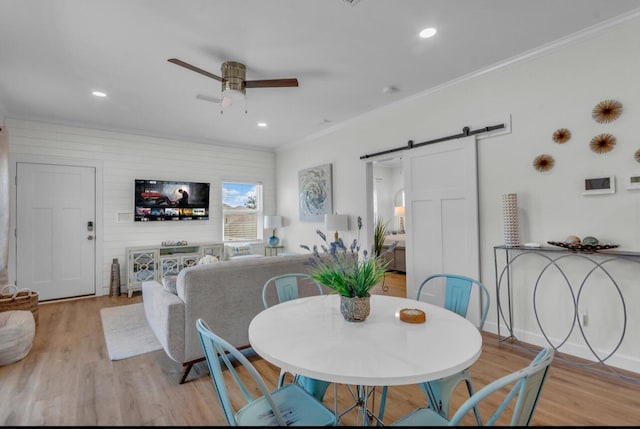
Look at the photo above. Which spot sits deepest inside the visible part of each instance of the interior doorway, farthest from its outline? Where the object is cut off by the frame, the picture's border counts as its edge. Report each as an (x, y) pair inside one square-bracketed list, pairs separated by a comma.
[(388, 193), (440, 193)]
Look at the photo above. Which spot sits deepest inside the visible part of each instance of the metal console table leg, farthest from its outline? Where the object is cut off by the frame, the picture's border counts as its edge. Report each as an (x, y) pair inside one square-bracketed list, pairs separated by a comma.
[(553, 257)]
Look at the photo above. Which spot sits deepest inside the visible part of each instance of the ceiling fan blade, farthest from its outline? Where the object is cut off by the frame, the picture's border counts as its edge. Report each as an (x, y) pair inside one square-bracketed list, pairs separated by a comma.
[(208, 98), (195, 69), (271, 83)]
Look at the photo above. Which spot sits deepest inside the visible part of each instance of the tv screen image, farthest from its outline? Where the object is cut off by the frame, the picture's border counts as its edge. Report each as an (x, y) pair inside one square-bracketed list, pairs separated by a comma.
[(158, 200)]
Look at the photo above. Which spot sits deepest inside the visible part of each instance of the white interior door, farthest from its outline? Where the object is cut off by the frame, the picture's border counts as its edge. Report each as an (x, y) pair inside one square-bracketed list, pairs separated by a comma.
[(441, 215), (55, 229)]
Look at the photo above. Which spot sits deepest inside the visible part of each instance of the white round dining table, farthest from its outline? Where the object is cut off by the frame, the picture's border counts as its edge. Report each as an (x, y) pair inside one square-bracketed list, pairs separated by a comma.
[(309, 336)]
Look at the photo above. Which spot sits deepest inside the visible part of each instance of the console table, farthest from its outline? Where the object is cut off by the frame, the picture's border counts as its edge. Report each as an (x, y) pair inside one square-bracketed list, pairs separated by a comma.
[(154, 262), (605, 273)]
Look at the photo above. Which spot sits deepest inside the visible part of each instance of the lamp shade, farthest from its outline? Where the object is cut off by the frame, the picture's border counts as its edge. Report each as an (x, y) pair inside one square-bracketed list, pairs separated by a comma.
[(398, 210), (336, 222), (271, 222)]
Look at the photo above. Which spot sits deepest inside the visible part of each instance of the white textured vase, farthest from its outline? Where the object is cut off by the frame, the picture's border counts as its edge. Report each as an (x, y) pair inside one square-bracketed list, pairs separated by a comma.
[(510, 217)]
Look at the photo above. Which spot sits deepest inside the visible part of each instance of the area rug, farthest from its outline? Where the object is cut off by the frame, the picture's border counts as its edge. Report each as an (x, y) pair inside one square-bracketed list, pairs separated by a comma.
[(127, 332)]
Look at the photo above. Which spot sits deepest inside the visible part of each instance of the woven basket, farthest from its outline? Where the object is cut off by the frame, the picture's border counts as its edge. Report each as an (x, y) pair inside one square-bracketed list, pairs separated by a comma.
[(12, 298)]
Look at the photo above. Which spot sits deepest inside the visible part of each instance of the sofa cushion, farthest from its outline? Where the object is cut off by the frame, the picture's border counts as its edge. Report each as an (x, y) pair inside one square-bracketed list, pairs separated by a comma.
[(169, 284)]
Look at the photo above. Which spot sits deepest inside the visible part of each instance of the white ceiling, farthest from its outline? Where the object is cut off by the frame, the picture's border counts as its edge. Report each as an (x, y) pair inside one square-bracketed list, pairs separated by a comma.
[(53, 53)]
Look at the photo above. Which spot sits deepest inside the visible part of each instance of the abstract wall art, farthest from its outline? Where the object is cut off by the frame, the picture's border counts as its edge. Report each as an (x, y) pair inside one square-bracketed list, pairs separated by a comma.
[(315, 193)]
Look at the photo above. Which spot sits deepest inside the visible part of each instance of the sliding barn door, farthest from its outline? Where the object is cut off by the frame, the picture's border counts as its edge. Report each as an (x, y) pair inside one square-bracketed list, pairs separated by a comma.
[(441, 199)]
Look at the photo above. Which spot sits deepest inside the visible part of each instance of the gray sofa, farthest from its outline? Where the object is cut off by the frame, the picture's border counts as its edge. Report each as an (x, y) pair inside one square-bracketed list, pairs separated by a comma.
[(227, 295)]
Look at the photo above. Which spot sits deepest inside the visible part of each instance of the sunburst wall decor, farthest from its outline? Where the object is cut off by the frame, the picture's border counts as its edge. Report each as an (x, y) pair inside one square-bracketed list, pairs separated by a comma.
[(602, 143), (561, 136), (543, 162), (606, 111)]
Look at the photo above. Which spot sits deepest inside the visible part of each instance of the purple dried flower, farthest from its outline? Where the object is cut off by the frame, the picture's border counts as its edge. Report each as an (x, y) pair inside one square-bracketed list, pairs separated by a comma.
[(321, 234)]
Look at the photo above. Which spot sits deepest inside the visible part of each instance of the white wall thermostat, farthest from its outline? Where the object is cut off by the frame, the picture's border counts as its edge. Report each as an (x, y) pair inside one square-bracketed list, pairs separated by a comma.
[(599, 185), (634, 182)]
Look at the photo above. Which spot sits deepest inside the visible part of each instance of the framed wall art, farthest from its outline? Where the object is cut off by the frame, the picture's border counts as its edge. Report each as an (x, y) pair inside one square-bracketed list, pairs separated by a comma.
[(315, 197)]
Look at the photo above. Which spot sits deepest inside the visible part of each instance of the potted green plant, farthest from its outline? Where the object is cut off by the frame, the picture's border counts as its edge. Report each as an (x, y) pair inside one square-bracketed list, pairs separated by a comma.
[(379, 232), (348, 272)]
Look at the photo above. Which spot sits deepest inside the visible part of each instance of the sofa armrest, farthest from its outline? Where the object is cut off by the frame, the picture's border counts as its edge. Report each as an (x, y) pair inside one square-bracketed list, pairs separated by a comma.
[(165, 313)]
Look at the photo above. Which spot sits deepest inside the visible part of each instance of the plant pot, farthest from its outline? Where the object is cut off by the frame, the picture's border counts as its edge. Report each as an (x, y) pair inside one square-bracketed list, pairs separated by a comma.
[(355, 309)]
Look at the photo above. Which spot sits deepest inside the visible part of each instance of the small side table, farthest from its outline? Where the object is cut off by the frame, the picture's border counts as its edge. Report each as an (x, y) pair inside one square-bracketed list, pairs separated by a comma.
[(273, 250)]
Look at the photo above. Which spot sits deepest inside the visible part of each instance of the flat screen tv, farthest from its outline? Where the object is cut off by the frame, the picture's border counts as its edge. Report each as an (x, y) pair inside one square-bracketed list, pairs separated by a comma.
[(167, 200)]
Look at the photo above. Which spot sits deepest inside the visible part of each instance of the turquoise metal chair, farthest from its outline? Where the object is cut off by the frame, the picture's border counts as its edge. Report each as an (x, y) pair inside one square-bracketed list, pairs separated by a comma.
[(456, 298), (290, 405), (525, 388), (283, 288)]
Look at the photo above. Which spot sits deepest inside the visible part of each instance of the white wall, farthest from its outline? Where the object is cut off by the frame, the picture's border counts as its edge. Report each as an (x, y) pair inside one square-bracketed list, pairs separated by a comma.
[(125, 157), (554, 89)]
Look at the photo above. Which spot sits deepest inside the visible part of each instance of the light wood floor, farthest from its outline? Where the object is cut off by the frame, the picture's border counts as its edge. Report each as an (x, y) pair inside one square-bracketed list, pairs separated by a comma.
[(68, 379)]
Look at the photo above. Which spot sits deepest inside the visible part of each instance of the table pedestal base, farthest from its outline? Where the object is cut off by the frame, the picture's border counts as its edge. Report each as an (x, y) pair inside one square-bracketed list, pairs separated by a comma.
[(360, 395)]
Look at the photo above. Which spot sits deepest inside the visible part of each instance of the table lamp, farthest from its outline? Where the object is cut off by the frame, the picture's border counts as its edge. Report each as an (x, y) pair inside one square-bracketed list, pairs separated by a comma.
[(273, 222), (336, 222)]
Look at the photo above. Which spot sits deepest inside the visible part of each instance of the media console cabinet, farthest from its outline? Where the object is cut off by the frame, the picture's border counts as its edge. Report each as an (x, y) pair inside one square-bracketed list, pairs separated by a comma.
[(154, 262)]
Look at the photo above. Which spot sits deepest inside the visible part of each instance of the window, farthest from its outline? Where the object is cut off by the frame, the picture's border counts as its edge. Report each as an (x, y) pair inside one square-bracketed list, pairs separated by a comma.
[(241, 211)]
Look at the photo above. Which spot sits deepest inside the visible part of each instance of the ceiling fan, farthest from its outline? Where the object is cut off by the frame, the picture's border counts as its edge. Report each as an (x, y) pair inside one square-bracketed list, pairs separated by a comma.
[(234, 83)]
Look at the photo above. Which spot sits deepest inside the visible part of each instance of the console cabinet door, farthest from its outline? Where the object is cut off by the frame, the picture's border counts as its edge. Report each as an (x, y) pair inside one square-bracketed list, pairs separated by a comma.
[(142, 266), (214, 250)]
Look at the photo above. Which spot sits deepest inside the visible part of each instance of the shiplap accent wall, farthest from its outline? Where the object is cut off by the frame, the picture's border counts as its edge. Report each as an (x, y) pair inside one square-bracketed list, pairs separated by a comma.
[(125, 157)]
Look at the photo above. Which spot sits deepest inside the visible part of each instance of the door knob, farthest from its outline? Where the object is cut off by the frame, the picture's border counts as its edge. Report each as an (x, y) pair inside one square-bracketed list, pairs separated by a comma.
[(90, 237)]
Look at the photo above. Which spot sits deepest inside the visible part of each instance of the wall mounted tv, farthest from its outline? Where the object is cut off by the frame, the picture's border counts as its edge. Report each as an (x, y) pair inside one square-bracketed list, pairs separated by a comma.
[(166, 200)]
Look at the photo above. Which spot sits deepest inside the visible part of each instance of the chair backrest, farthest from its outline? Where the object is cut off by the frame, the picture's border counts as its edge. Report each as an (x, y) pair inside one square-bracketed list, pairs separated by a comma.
[(218, 351), (289, 286), (526, 385), (457, 292)]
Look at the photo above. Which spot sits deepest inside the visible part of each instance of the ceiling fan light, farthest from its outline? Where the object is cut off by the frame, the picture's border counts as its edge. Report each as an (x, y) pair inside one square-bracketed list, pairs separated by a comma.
[(231, 96)]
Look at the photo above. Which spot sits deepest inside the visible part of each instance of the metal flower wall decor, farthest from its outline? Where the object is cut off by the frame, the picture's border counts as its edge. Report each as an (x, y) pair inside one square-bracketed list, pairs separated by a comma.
[(606, 111), (543, 162), (561, 136), (602, 143)]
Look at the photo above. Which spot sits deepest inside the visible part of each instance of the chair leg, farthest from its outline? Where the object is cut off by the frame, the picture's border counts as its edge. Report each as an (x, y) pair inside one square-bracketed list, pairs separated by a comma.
[(281, 378), (383, 401), (476, 412)]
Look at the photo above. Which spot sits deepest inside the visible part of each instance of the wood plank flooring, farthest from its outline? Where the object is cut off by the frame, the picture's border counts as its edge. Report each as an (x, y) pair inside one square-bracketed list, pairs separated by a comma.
[(68, 379)]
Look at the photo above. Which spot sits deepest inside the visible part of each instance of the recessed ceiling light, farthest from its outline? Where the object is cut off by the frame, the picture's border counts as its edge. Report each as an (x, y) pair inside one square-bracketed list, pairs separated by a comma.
[(99, 94), (262, 124), (428, 32)]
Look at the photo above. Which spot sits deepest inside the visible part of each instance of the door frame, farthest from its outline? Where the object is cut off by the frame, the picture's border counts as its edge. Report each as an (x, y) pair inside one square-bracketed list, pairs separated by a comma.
[(14, 159)]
